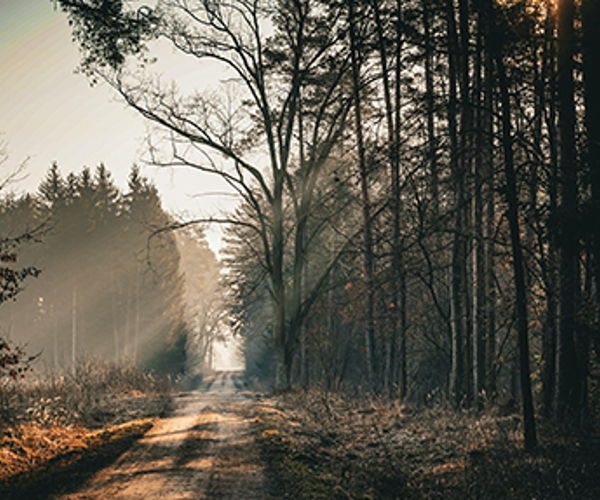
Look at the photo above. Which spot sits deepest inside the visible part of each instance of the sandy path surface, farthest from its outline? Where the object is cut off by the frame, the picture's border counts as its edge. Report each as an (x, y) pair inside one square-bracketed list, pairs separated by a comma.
[(204, 449)]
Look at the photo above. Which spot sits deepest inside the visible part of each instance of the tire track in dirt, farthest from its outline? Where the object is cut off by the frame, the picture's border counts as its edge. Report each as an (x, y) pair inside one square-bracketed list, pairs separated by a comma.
[(204, 449)]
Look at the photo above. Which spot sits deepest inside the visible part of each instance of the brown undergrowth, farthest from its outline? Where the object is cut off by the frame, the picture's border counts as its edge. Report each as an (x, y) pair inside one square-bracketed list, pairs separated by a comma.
[(56, 429), (324, 446)]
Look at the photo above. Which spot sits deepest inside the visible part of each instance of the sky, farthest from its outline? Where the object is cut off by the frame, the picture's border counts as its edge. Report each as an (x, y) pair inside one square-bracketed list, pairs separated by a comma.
[(48, 113)]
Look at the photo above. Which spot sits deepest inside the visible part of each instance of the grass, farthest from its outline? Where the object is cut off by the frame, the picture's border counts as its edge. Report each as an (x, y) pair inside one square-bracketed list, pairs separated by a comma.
[(86, 454), (92, 395), (57, 429), (322, 445)]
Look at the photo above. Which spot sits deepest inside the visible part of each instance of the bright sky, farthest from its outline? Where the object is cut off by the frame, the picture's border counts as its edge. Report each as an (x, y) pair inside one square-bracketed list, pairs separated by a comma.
[(228, 357), (48, 113)]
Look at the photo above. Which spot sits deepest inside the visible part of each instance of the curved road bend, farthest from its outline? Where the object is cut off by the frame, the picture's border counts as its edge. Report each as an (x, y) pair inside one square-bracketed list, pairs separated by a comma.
[(203, 450)]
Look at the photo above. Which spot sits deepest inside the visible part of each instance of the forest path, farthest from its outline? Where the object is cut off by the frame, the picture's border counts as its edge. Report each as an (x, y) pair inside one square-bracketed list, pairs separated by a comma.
[(204, 449)]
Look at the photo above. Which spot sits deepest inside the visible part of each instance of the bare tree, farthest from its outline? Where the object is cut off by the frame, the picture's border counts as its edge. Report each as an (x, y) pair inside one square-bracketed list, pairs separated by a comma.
[(231, 139)]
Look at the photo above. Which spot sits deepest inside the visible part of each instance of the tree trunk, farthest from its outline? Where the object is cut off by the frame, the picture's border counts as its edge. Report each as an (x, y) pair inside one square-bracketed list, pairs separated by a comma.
[(370, 347), (550, 342), (591, 73), (477, 255), (54, 337), (429, 102), (282, 341), (74, 330), (465, 169), (127, 332), (457, 264), (396, 354), (136, 328), (113, 300), (569, 376), (400, 262), (493, 41), (490, 226)]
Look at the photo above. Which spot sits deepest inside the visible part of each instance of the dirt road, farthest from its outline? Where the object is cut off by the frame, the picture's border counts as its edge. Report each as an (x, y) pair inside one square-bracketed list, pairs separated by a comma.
[(204, 449)]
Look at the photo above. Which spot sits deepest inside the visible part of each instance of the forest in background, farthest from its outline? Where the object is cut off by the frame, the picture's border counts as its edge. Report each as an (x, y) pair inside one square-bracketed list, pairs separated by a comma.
[(109, 285), (419, 184)]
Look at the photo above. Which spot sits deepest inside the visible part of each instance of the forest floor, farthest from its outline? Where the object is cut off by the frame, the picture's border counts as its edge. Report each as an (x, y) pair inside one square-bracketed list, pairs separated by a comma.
[(321, 445), (222, 441)]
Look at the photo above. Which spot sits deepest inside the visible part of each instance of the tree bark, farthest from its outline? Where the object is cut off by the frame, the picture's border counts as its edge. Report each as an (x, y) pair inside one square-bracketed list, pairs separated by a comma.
[(457, 264), (372, 375), (569, 375), (493, 42)]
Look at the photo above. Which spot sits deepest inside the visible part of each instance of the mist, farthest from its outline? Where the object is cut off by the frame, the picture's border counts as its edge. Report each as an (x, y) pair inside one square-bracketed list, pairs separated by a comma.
[(110, 286)]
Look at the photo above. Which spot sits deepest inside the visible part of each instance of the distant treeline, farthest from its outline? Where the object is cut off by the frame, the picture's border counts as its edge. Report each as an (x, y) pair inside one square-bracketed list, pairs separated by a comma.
[(108, 285)]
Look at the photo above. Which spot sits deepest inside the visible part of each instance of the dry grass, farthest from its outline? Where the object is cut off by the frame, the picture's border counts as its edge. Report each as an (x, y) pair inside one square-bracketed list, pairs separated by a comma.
[(54, 474), (86, 396), (58, 419), (27, 445), (322, 445)]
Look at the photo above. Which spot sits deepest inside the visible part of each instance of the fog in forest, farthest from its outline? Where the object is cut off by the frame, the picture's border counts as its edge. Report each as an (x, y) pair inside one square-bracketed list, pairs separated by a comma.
[(110, 286), (417, 189)]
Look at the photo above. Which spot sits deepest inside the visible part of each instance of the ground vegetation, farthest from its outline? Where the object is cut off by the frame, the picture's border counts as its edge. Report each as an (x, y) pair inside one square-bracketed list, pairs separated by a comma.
[(319, 444), (58, 428)]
